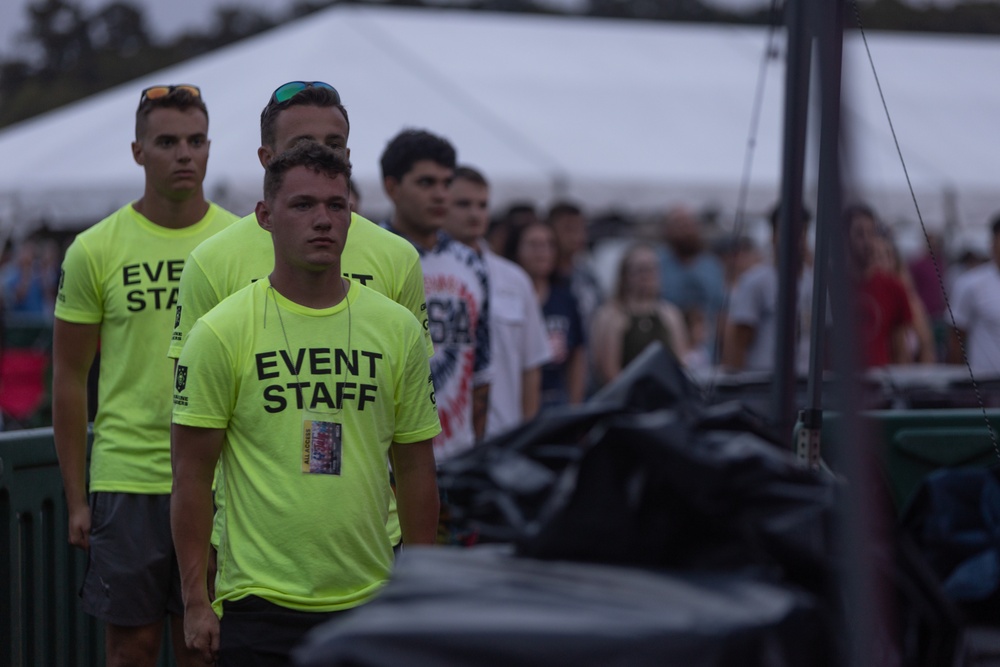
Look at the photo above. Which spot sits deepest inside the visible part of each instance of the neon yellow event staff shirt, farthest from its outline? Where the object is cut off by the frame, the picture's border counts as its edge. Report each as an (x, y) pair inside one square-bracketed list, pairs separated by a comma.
[(304, 540), (123, 274)]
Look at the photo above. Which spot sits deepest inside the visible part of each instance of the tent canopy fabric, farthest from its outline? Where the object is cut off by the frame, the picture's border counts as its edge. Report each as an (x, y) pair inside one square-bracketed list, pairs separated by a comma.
[(626, 115)]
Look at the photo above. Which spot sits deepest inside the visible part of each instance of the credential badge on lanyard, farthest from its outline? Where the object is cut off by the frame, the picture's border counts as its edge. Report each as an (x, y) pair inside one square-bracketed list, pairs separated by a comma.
[(322, 435)]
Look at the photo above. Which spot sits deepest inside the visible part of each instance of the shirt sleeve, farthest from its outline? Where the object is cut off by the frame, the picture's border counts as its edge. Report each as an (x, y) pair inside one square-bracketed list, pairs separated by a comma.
[(482, 372), (962, 305), (81, 295), (196, 295), (412, 297), (538, 351), (415, 406), (204, 381), (744, 302)]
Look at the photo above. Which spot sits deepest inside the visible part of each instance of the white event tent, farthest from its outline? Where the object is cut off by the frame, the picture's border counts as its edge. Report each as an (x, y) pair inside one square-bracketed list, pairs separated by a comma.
[(615, 114)]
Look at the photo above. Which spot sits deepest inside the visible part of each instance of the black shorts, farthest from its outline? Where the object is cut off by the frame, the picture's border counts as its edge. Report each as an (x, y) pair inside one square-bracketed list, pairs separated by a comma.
[(256, 633), (132, 576)]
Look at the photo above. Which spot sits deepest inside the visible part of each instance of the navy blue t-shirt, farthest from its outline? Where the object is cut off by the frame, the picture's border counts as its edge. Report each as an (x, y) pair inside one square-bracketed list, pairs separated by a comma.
[(564, 325)]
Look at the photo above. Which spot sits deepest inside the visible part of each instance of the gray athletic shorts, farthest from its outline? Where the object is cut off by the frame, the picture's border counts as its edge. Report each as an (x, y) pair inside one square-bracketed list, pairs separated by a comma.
[(132, 576)]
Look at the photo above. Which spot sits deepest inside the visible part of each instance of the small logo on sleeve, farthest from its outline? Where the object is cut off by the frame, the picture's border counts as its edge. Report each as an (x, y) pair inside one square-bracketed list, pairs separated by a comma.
[(177, 317), (182, 376)]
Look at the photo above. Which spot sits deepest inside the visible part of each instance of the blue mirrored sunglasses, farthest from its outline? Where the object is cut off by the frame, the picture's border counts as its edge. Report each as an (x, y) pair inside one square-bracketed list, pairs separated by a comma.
[(289, 90)]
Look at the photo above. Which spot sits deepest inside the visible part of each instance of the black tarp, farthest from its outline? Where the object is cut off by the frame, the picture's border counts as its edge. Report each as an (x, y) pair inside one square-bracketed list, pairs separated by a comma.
[(643, 528), (452, 607)]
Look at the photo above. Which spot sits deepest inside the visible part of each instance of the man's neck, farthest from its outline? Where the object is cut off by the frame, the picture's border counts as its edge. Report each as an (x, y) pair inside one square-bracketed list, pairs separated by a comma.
[(172, 214), (312, 289), (476, 245), (424, 239)]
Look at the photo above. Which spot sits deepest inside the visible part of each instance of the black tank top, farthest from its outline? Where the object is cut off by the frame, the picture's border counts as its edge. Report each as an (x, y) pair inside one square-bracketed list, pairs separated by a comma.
[(642, 330)]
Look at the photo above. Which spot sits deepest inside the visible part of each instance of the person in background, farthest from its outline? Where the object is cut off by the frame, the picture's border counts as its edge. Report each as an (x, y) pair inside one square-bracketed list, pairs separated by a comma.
[(119, 287), (573, 260), (417, 169), (564, 378), (967, 254), (691, 277), (517, 215), (977, 312), (29, 283), (737, 256), (751, 325), (884, 314), (635, 316), (920, 344), (929, 274), (519, 344)]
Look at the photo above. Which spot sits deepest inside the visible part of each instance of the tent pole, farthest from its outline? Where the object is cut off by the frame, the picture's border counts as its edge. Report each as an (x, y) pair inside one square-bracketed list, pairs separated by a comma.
[(861, 518), (789, 260), (828, 219)]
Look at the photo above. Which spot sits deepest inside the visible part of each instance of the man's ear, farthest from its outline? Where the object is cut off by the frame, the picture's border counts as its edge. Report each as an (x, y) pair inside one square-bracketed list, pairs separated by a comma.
[(263, 215), (137, 154), (390, 185), (265, 155)]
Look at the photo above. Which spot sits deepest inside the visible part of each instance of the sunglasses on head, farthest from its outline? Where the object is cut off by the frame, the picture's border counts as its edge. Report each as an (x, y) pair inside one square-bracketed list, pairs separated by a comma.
[(292, 88), (157, 92)]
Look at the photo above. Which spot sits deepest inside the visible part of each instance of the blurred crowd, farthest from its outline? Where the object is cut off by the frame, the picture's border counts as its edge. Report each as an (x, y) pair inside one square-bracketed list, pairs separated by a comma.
[(712, 297), (29, 273), (609, 285)]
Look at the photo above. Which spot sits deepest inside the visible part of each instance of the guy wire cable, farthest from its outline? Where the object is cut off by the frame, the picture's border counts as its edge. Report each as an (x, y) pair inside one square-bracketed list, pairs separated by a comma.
[(923, 228), (739, 221)]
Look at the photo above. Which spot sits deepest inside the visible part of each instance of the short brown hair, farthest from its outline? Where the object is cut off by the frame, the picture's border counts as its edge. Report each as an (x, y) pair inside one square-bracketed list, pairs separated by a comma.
[(319, 158), (312, 96), (178, 98), (466, 173)]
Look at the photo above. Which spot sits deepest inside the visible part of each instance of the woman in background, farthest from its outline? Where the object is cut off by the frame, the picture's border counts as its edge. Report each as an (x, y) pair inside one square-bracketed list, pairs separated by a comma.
[(564, 378), (636, 316), (920, 337)]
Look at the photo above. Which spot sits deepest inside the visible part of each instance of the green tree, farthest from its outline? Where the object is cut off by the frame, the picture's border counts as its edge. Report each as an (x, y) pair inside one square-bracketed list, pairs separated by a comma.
[(119, 28), (59, 27)]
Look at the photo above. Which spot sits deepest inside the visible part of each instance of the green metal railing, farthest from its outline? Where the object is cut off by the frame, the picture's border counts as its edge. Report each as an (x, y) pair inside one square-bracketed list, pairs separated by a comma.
[(41, 622), (913, 443), (40, 617)]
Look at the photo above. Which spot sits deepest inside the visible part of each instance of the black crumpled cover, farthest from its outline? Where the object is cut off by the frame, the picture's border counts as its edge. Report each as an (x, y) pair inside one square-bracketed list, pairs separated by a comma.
[(498, 490), (658, 490), (481, 607), (645, 474)]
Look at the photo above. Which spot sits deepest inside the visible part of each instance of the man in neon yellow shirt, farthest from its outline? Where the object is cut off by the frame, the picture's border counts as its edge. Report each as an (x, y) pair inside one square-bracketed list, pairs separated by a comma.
[(297, 111), (300, 384), (118, 287), (380, 260)]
